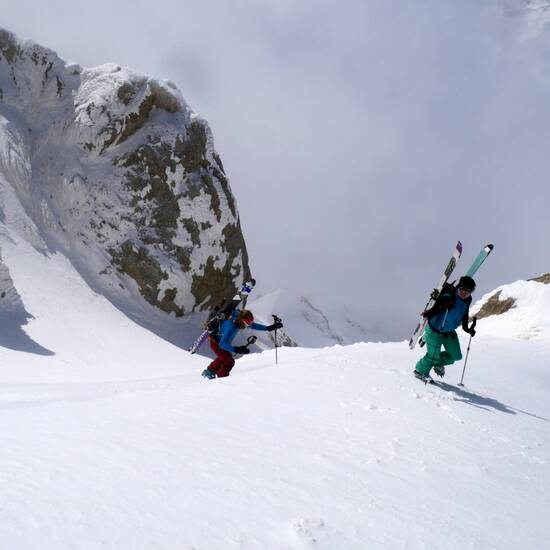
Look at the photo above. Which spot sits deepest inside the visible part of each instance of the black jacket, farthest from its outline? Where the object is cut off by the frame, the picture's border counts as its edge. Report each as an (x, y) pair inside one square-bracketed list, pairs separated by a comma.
[(445, 303)]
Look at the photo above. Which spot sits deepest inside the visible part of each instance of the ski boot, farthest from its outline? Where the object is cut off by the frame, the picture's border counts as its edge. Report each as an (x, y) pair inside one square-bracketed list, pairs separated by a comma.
[(439, 370), (207, 373), (426, 378)]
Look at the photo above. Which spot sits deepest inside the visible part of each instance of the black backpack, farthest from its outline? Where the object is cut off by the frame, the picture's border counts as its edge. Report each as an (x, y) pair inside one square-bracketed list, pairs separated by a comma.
[(224, 311), (441, 299), (220, 314), (215, 320), (448, 289)]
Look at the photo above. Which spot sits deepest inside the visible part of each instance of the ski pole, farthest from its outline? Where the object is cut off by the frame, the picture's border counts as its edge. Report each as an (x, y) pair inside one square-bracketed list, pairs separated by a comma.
[(251, 340), (276, 320), (467, 353)]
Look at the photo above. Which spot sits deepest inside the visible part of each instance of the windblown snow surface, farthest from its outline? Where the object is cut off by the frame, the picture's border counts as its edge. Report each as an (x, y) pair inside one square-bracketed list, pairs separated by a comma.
[(112, 440)]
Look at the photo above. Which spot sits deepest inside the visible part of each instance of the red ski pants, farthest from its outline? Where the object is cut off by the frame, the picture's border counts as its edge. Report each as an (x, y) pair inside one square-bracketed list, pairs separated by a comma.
[(224, 361)]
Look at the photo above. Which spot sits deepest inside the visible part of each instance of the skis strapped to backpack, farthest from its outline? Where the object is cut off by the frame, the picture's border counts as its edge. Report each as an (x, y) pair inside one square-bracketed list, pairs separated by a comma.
[(223, 312), (435, 294), (481, 257), (472, 270)]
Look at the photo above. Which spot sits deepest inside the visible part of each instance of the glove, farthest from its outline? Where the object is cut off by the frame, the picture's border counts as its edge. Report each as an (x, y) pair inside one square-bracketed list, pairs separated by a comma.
[(275, 326), (471, 332), (242, 349)]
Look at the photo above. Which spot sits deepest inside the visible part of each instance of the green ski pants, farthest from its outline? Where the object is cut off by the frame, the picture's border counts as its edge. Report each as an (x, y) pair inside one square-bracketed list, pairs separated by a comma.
[(434, 355)]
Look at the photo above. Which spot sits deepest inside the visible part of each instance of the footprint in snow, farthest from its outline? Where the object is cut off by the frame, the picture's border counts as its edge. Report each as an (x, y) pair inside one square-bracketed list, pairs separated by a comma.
[(309, 530)]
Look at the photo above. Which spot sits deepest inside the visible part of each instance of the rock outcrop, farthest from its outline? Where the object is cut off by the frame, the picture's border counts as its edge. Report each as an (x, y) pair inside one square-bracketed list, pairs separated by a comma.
[(518, 310), (496, 305), (113, 167)]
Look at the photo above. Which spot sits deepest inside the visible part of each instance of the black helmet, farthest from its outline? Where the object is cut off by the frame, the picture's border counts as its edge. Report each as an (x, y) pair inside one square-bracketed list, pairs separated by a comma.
[(467, 282)]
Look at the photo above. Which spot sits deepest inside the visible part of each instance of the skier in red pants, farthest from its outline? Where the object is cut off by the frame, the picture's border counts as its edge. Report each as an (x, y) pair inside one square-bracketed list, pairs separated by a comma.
[(221, 343)]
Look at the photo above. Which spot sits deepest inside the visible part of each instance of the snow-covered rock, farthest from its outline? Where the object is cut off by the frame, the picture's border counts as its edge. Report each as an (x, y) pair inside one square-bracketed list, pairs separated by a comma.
[(517, 310), (114, 168)]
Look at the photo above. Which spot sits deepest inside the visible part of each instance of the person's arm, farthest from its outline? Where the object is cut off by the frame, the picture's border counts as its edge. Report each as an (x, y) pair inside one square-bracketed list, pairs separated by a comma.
[(276, 325), (257, 326), (465, 319)]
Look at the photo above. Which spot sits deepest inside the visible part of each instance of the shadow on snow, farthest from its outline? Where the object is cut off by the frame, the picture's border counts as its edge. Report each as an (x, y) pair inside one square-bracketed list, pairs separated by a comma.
[(12, 335), (481, 402)]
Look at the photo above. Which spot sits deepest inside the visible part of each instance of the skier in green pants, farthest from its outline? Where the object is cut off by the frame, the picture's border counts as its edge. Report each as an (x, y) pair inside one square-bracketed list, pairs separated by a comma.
[(450, 310)]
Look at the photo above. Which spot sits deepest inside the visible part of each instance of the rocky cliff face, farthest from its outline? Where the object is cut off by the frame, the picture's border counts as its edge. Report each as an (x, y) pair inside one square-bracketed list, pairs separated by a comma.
[(114, 168)]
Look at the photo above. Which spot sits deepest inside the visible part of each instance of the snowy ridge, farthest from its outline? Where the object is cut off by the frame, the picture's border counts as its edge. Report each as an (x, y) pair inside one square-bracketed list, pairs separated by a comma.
[(312, 322), (517, 310)]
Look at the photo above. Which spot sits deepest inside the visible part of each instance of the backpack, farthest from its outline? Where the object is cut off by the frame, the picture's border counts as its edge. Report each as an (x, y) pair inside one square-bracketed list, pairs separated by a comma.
[(218, 315), (224, 311), (441, 301), (448, 289)]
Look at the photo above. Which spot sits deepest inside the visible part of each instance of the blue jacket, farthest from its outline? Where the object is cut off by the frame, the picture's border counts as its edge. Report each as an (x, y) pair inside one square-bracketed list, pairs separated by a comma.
[(449, 312), (229, 330)]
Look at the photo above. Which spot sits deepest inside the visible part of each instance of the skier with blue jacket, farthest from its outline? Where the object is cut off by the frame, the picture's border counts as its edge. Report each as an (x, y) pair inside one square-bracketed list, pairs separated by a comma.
[(451, 309), (221, 342)]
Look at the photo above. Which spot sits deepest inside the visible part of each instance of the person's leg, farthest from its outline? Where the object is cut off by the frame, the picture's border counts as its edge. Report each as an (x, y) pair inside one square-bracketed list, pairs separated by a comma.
[(226, 366), (220, 357), (433, 351), (452, 351)]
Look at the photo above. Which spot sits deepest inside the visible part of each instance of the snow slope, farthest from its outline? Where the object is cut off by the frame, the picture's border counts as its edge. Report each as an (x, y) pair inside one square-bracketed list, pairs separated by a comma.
[(111, 439)]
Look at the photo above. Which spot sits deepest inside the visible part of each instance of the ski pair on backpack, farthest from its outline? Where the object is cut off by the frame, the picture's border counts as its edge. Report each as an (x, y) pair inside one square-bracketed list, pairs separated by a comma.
[(476, 264), (222, 312)]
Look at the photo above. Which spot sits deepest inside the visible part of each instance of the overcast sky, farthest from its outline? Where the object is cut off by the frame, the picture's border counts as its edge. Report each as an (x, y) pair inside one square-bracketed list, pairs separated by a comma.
[(362, 138)]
